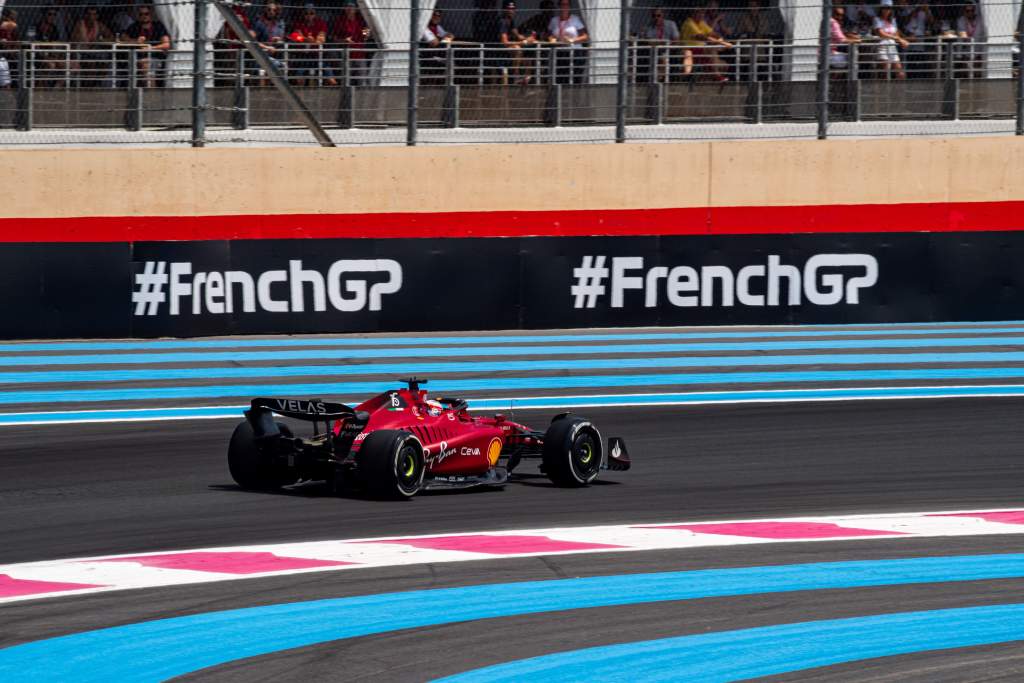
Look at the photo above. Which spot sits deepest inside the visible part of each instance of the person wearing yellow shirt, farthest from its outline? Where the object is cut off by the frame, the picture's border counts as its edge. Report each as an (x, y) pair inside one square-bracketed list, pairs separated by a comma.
[(704, 43)]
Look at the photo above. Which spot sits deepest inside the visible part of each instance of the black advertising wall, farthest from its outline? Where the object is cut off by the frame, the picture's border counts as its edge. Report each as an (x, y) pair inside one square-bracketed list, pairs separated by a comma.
[(183, 289)]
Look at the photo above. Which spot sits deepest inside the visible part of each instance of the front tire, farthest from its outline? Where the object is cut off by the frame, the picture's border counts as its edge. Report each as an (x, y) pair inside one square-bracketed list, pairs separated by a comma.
[(391, 464), (572, 452), (250, 466)]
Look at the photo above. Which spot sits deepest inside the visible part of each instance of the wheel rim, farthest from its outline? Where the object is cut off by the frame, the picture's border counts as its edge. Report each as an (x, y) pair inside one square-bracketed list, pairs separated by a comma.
[(584, 456), (408, 469)]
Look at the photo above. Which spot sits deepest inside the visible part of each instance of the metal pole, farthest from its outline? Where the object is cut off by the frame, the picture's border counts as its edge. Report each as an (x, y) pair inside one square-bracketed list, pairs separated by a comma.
[(272, 73), (620, 85), (199, 76), (414, 74), (824, 52), (1020, 74)]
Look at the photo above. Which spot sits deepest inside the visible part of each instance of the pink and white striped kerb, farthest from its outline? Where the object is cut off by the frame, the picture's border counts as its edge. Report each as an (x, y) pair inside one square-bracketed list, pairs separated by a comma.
[(147, 570)]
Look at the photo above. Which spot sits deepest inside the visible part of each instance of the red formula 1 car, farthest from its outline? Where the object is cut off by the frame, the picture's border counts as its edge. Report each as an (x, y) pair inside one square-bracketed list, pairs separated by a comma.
[(401, 442)]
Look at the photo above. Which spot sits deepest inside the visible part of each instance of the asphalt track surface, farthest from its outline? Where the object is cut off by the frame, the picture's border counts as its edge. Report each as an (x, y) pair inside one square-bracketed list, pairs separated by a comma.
[(80, 490), (89, 489)]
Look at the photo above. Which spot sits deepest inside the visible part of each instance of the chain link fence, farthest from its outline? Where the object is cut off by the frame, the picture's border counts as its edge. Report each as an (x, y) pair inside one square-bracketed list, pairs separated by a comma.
[(458, 71)]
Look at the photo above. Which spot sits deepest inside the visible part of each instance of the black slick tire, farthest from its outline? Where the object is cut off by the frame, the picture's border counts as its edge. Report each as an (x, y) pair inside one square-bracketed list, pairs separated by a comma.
[(572, 451), (391, 465), (250, 467)]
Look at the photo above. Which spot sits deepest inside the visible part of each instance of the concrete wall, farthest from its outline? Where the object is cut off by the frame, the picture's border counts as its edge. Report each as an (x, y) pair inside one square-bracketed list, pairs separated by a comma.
[(185, 182)]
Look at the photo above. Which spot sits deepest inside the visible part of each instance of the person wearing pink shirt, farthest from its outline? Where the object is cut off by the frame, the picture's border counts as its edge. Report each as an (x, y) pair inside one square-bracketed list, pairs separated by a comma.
[(837, 37)]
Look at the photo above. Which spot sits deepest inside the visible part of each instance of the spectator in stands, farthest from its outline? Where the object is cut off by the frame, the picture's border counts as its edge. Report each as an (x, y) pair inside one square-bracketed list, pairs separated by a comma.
[(705, 43), (661, 28), (889, 37), (312, 60), (351, 31), (919, 30), (48, 30), (48, 65), (149, 32), (123, 18), (434, 62), (860, 18), (569, 30), (724, 22), (839, 59), (485, 21), (89, 32), (538, 23), (8, 40), (8, 26), (971, 30), (759, 23), (270, 27), (435, 34), (270, 34), (664, 31), (311, 26), (230, 51), (513, 39)]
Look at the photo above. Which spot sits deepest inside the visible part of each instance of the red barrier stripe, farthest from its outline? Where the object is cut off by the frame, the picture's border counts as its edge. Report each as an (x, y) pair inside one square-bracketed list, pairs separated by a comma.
[(932, 217)]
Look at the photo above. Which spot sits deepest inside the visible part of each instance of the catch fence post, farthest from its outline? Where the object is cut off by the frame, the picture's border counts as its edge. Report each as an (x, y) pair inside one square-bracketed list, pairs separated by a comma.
[(824, 51), (412, 105), (1020, 74), (620, 85), (199, 76)]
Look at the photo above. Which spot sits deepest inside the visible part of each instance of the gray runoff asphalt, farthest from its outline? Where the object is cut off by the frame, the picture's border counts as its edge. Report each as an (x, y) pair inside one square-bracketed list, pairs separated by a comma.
[(73, 490)]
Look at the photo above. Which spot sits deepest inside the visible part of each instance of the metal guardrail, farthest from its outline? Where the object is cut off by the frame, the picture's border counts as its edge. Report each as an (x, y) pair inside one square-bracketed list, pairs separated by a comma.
[(462, 84), (112, 65)]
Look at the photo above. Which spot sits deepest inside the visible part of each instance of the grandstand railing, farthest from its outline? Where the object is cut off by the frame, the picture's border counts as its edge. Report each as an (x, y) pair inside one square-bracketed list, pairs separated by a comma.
[(463, 84)]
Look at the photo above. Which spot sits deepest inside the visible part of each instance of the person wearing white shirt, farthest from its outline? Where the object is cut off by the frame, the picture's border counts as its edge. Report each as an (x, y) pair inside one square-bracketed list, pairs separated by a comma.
[(971, 30), (922, 53), (568, 29), (660, 32), (889, 37)]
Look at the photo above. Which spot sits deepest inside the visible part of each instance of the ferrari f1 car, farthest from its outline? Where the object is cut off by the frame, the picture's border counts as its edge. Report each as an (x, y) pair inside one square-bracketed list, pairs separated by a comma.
[(401, 442)]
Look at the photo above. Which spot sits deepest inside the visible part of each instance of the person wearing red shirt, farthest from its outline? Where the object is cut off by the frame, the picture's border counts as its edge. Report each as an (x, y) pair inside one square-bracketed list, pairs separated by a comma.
[(351, 32), (229, 49), (313, 30)]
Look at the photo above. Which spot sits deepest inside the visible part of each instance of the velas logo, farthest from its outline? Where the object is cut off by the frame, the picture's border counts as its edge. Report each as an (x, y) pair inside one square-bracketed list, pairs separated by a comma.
[(349, 285), (824, 280)]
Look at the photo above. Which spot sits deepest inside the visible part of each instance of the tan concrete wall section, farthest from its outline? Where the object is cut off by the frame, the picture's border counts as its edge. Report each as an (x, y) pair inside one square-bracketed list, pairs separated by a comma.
[(186, 182)]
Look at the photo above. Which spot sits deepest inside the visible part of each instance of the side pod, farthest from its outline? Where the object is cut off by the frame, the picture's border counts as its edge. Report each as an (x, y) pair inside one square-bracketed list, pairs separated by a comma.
[(618, 457)]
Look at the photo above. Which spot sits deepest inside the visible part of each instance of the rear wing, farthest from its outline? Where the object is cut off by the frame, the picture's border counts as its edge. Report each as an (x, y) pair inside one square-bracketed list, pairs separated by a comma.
[(261, 413)]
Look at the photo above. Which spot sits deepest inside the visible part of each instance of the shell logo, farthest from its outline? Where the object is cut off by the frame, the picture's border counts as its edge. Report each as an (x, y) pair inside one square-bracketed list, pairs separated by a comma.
[(494, 451)]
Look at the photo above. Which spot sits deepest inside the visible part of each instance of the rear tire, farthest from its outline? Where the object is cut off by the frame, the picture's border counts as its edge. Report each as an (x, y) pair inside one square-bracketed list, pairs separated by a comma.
[(572, 452), (250, 467), (391, 464)]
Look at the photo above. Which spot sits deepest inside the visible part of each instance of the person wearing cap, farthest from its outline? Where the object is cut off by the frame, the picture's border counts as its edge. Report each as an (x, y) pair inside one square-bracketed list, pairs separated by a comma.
[(889, 37), (351, 32), (311, 31), (512, 38)]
